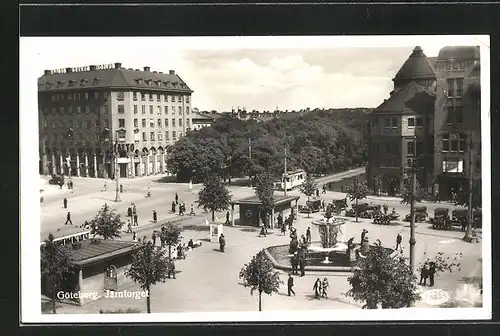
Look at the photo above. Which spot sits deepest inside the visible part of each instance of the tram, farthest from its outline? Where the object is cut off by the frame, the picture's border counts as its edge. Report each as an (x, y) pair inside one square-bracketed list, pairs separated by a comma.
[(292, 180)]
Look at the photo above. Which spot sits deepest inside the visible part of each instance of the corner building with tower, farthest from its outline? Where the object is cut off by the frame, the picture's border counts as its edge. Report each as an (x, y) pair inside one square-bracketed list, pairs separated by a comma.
[(90, 116), (431, 122)]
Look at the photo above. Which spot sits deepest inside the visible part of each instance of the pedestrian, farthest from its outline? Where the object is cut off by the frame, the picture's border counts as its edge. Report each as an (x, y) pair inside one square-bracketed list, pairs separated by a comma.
[(303, 239), (363, 234), (176, 198), (155, 216), (324, 188), (129, 212), (399, 239), (173, 207), (222, 242), (317, 192), (136, 223), (61, 183), (86, 225), (324, 286), (71, 184), (148, 193), (129, 227), (171, 268), (191, 213), (227, 218), (317, 288), (105, 186), (68, 219), (283, 229), (295, 263), (65, 203), (262, 231), (121, 188), (432, 271), (424, 273), (134, 209), (290, 285), (302, 265), (308, 235), (464, 224), (153, 237), (134, 238), (386, 209)]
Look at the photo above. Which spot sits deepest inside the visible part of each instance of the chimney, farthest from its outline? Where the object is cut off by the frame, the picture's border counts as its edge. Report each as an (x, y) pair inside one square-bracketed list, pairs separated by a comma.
[(68, 70), (47, 72), (93, 68), (171, 72), (118, 65), (146, 68), (155, 72)]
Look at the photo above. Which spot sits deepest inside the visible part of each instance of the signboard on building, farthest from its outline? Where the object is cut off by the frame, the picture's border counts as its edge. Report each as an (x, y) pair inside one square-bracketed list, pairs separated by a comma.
[(455, 166), (123, 160)]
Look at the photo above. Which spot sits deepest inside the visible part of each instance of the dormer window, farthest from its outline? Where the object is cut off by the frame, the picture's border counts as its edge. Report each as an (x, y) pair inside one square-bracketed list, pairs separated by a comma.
[(48, 85), (83, 82), (60, 84), (138, 81), (96, 81), (167, 83), (71, 83), (148, 82), (158, 83)]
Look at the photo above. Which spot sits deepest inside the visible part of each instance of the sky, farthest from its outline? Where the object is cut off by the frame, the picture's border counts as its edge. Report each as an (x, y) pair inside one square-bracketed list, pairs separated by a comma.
[(262, 73)]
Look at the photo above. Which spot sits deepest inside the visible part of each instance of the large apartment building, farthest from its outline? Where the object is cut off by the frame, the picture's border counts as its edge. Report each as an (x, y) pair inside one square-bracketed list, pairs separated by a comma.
[(88, 114), (429, 122)]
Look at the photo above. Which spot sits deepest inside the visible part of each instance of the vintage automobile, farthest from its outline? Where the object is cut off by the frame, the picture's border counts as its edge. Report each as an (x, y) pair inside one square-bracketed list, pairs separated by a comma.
[(312, 205), (441, 219), (370, 211), (56, 179), (381, 218), (477, 219), (340, 204), (459, 217), (420, 215)]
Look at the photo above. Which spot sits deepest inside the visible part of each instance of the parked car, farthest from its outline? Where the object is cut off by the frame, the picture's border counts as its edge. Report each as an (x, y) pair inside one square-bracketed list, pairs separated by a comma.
[(459, 217), (312, 205), (441, 219), (56, 179), (381, 218), (340, 204), (420, 215)]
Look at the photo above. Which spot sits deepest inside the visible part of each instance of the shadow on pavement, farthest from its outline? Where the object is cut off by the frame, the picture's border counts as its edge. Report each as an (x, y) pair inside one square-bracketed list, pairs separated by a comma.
[(249, 230), (197, 228)]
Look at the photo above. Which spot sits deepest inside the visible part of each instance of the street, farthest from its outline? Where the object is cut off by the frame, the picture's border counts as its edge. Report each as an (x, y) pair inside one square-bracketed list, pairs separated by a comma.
[(208, 280)]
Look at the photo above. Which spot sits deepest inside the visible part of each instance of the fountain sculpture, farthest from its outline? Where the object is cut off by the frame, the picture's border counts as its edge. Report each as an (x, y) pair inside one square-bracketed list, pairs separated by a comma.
[(333, 237)]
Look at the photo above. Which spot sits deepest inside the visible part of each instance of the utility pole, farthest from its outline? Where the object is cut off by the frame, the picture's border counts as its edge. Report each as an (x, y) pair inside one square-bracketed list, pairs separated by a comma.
[(413, 170), (468, 233), (117, 171), (250, 159), (285, 175)]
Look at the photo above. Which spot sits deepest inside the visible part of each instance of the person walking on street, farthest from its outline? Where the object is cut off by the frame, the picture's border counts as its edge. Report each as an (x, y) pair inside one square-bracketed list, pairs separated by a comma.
[(155, 216), (153, 238), (105, 187), (129, 212), (317, 288), (134, 209), (290, 285), (222, 242), (65, 203), (363, 234), (432, 271), (129, 227), (136, 223), (134, 238), (324, 188), (325, 285), (176, 198), (191, 213), (68, 219), (227, 219), (424, 273), (173, 207), (308, 235), (295, 263), (302, 265), (283, 229), (399, 239), (386, 209), (148, 193)]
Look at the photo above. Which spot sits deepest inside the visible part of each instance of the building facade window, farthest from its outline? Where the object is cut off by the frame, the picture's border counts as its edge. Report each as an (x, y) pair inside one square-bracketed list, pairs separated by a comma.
[(166, 109), (143, 122), (187, 122), (151, 123), (187, 99), (152, 136), (136, 122), (174, 135), (106, 123), (144, 137), (136, 137), (173, 122), (166, 135), (187, 109), (180, 110), (78, 109), (454, 114), (165, 97), (121, 123), (53, 124), (409, 146), (70, 96), (411, 122), (150, 96), (166, 122), (158, 97), (87, 96), (150, 109), (87, 109), (61, 110), (88, 124), (180, 122), (160, 136), (173, 98), (143, 96), (158, 109), (391, 122), (134, 95), (106, 109), (121, 109), (97, 123), (179, 98), (159, 122), (135, 109), (143, 108)]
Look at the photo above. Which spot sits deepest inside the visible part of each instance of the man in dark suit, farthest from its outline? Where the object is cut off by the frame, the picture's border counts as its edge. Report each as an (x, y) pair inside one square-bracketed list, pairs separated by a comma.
[(68, 219), (65, 203), (290, 285)]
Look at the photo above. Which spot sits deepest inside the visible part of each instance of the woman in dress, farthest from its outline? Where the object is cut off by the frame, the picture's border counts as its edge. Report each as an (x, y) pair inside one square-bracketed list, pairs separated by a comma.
[(317, 288)]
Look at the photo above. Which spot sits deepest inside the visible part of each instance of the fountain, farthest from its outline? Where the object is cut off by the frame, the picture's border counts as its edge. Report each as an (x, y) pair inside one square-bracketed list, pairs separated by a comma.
[(333, 233)]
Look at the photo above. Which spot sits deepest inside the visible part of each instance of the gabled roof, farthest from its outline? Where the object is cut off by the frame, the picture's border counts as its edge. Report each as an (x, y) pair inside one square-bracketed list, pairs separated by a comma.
[(202, 116), (410, 100), (417, 66), (112, 78)]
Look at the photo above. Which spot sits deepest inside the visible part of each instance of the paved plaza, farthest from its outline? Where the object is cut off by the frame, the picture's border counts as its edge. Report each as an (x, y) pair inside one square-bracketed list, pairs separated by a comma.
[(208, 280)]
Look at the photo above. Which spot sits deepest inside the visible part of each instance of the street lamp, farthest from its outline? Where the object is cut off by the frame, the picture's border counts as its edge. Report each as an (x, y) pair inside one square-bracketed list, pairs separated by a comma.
[(119, 138)]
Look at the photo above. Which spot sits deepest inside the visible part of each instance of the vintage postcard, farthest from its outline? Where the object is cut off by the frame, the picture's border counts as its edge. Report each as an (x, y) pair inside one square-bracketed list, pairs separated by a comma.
[(218, 179)]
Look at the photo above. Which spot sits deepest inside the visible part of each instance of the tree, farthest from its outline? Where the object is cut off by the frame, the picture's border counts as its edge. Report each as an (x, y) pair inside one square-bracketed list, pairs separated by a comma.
[(309, 188), (56, 263), (214, 195), (264, 189), (149, 266), (462, 198), (106, 223), (357, 190), (170, 234), (407, 192), (379, 280), (259, 275)]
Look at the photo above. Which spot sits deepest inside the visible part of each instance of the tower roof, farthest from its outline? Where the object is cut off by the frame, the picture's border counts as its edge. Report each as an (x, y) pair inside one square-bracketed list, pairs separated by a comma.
[(417, 66), (412, 99)]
